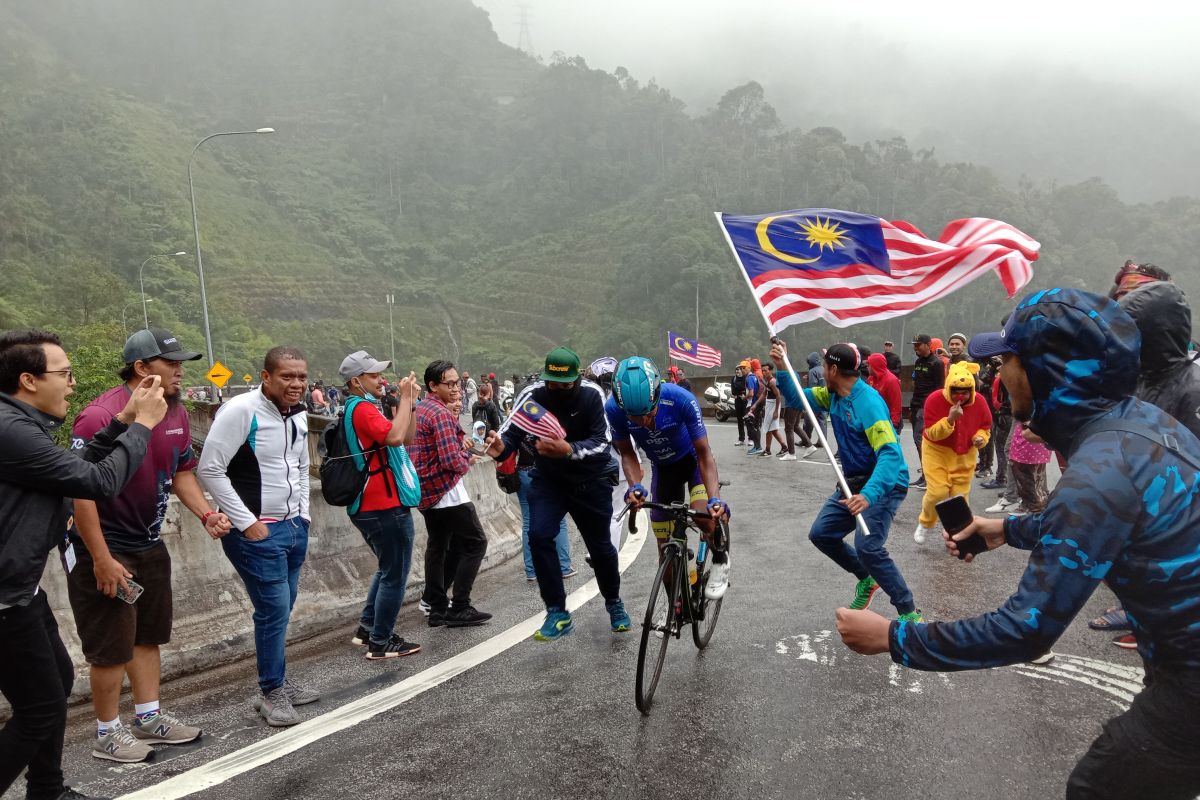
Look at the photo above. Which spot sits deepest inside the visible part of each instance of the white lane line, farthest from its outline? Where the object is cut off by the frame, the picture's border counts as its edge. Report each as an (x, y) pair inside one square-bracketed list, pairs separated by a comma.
[(289, 741)]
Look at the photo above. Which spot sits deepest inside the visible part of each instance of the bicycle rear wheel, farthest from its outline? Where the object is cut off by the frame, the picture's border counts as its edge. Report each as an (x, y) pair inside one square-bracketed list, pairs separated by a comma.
[(657, 630), (705, 611)]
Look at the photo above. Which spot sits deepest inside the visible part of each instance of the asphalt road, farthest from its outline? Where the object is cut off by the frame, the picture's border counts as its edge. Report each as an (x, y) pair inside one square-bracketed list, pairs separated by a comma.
[(776, 707)]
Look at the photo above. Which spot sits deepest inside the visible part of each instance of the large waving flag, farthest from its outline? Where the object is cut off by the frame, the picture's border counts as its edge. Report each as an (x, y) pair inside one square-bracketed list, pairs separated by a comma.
[(848, 268), (691, 351), (532, 418)]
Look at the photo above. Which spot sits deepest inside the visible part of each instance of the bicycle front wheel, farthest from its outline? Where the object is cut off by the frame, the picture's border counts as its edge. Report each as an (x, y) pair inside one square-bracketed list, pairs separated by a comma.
[(705, 611), (657, 629)]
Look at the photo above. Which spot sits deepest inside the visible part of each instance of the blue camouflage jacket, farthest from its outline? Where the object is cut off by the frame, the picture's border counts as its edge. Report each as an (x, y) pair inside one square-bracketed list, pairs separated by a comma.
[(1124, 512)]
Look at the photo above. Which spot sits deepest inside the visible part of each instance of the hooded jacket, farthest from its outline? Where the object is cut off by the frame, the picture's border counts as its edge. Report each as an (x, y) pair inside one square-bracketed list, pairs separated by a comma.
[(1170, 376), (1123, 511), (888, 385), (975, 421)]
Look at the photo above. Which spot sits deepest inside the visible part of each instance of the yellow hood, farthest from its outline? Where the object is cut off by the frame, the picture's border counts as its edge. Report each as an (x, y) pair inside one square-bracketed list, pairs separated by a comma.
[(961, 376)]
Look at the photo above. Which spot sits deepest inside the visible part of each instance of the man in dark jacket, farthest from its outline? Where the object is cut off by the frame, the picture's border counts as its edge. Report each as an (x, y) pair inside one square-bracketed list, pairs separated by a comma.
[(893, 358), (574, 475), (929, 373), (36, 477), (1170, 375), (1123, 512)]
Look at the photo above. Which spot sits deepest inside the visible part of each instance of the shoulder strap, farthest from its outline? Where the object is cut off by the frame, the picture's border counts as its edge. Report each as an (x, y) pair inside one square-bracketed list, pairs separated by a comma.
[(1160, 438)]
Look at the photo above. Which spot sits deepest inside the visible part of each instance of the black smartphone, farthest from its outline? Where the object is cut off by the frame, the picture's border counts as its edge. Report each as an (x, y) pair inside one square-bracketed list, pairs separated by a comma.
[(955, 515)]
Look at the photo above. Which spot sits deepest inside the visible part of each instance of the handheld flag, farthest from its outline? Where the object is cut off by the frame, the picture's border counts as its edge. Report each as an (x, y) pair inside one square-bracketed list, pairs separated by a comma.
[(691, 351), (848, 268), (532, 418)]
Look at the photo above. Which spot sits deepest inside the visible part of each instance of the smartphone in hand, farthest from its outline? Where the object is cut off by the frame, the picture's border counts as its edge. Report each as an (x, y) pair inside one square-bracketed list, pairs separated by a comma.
[(135, 591), (955, 515)]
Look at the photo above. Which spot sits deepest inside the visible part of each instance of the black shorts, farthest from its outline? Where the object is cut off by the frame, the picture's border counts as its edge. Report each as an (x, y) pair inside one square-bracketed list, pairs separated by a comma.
[(109, 628)]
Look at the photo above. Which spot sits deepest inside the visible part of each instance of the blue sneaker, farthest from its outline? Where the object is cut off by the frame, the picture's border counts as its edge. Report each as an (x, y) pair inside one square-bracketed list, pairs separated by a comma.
[(558, 624), (617, 616), (753, 451)]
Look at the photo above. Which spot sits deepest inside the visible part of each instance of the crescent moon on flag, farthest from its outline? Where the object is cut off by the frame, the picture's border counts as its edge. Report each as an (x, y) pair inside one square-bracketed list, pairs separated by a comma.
[(764, 241), (530, 407), (679, 342)]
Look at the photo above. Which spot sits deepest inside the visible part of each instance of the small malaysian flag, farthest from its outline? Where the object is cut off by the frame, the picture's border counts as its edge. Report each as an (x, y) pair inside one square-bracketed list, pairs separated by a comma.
[(682, 348), (534, 419)]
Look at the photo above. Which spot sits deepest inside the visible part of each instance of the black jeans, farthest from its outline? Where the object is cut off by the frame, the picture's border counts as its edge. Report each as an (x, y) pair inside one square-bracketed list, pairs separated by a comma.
[(1152, 751), (35, 677), (453, 554), (590, 505), (1001, 430), (917, 418), (739, 411)]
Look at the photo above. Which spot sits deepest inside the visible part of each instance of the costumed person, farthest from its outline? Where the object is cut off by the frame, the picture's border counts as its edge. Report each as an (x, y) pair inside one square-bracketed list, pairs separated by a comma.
[(957, 423)]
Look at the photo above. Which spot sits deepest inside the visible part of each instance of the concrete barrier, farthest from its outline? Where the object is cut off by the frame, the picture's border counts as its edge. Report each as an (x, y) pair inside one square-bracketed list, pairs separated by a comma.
[(213, 613)]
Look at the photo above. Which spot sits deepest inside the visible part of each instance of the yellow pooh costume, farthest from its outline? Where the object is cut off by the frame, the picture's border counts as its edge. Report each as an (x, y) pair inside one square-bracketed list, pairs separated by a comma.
[(949, 452)]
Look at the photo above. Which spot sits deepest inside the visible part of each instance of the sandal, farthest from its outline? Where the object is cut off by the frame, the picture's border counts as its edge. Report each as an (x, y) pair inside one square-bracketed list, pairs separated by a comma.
[(1114, 619)]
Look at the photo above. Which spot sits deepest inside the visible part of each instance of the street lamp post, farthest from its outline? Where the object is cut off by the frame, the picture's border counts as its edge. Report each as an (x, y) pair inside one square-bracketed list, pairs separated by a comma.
[(142, 286), (391, 301), (196, 229), (124, 324)]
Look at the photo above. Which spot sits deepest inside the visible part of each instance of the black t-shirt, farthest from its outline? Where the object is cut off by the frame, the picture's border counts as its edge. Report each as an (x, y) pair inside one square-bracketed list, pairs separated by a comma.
[(928, 377)]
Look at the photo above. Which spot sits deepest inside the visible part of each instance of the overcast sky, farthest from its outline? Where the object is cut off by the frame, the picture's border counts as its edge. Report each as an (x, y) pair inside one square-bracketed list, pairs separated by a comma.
[(688, 44)]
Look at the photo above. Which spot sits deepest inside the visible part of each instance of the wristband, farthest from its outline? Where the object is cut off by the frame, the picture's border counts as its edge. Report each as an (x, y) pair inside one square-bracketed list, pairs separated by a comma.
[(204, 517)]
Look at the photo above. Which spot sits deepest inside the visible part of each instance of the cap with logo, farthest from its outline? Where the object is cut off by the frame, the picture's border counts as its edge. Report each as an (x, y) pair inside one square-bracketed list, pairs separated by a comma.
[(922, 338), (845, 356), (360, 363), (156, 343), (986, 345), (562, 366)]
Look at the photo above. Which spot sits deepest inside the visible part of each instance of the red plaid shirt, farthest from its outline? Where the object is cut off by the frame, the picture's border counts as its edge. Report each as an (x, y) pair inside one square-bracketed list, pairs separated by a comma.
[(437, 451)]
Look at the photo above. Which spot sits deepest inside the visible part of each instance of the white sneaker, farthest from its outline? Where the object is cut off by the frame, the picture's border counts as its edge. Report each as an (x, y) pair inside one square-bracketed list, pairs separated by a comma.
[(921, 532), (425, 607), (808, 451), (1044, 658), (999, 507), (718, 580), (788, 457)]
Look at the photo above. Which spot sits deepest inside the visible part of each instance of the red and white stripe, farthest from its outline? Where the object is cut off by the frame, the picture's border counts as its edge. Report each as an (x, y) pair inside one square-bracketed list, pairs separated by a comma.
[(922, 270), (704, 356), (546, 426)]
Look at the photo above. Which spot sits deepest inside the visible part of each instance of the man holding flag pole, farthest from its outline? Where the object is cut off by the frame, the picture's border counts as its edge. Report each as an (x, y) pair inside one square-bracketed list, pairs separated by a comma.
[(846, 268)]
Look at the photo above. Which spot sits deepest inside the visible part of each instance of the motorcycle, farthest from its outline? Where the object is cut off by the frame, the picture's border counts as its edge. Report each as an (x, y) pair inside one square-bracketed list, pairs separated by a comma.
[(720, 396)]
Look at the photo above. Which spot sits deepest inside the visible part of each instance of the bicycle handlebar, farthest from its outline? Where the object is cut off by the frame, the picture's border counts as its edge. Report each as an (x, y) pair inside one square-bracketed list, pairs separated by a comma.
[(678, 509)]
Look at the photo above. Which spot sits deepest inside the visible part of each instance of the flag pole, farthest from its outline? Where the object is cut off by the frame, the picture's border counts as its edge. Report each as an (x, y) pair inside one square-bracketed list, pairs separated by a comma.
[(808, 412)]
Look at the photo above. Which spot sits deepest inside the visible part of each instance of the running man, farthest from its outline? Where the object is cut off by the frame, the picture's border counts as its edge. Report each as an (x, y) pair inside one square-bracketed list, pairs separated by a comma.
[(665, 421), (875, 472)]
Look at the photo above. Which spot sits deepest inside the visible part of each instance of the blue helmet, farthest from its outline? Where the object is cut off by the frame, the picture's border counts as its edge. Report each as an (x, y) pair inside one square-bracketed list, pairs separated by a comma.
[(636, 386)]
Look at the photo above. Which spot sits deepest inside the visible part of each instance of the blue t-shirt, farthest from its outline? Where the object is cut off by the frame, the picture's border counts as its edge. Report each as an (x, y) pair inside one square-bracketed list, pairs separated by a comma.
[(751, 387), (677, 423)]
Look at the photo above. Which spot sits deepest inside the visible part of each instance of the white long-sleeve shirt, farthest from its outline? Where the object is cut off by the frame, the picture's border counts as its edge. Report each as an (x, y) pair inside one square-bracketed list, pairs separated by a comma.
[(255, 461)]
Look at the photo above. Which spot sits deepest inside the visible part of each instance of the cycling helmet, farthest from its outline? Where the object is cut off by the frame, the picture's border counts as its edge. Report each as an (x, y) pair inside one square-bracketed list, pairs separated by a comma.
[(636, 386)]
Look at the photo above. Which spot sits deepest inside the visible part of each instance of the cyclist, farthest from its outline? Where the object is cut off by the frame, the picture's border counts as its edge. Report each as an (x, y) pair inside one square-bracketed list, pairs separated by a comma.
[(665, 421)]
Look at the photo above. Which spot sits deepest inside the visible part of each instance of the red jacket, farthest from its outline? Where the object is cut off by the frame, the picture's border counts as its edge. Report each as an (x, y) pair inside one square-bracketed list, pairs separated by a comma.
[(887, 384)]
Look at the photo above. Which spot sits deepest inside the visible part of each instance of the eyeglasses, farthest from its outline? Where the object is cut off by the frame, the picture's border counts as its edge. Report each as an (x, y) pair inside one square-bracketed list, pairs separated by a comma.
[(450, 384), (68, 372)]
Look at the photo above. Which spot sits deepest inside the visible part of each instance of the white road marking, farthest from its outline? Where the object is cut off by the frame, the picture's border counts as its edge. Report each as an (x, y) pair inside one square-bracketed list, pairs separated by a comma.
[(275, 747)]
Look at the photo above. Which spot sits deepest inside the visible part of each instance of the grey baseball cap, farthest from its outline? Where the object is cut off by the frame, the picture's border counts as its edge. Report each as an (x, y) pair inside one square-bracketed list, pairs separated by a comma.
[(360, 363), (156, 343)]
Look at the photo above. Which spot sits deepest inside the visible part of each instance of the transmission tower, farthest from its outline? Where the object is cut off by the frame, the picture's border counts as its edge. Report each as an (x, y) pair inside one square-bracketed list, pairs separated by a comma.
[(525, 38)]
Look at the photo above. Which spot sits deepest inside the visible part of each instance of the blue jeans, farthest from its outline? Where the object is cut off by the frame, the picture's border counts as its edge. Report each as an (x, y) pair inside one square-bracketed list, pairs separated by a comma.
[(561, 542), (869, 556), (389, 534), (271, 571)]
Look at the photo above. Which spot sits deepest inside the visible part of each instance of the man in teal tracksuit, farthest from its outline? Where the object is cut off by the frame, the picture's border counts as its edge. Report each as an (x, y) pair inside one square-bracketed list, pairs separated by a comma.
[(875, 472)]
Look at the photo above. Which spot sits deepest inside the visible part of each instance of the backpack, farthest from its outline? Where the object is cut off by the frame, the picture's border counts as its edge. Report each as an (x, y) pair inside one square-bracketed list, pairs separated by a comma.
[(342, 478), (506, 474)]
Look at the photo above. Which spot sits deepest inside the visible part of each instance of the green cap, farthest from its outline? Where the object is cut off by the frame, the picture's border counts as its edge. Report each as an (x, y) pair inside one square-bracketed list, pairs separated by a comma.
[(562, 366)]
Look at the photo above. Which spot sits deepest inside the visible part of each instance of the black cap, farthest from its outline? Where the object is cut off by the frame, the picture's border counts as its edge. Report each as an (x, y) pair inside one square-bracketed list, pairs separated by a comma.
[(155, 343), (922, 338), (844, 356)]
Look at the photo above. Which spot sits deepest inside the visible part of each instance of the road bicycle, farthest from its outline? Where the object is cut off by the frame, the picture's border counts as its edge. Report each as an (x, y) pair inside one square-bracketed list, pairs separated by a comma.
[(675, 600)]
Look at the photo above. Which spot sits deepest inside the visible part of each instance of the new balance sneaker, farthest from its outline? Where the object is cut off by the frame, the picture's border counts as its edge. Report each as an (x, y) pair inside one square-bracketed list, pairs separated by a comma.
[(864, 590), (465, 617), (921, 532), (396, 648), (718, 579), (361, 636), (119, 745), (557, 625), (298, 695), (276, 708), (788, 457), (617, 617), (912, 616), (1044, 658), (164, 728)]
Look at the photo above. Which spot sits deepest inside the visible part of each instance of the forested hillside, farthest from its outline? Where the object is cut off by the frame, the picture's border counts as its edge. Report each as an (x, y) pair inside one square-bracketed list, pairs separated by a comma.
[(509, 205)]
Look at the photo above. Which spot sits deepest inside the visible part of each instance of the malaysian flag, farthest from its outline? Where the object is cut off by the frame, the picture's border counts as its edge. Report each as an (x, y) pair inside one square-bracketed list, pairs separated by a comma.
[(848, 268), (691, 351), (532, 418)]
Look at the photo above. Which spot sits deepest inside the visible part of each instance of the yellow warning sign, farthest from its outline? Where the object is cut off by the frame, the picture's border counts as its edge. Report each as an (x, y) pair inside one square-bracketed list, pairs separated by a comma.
[(219, 374), (247, 378)]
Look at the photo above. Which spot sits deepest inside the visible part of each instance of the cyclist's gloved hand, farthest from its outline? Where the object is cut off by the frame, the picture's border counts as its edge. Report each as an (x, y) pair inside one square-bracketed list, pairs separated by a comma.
[(717, 506), (636, 491)]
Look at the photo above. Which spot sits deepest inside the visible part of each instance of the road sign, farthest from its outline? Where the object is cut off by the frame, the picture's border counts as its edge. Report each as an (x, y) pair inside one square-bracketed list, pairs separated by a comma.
[(247, 378), (219, 374)]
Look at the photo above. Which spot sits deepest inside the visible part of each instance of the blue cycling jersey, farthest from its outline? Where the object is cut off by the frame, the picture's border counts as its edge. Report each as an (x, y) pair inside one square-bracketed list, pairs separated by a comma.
[(677, 423)]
